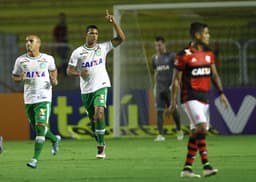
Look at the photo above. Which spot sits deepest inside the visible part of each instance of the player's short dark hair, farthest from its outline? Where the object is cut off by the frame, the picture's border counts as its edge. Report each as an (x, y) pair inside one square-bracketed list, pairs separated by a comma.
[(91, 27), (196, 27), (159, 38)]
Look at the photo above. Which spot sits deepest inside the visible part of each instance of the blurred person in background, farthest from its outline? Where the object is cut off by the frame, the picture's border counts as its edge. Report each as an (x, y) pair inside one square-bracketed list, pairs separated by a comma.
[(89, 63), (162, 63), (38, 73), (194, 70), (60, 35)]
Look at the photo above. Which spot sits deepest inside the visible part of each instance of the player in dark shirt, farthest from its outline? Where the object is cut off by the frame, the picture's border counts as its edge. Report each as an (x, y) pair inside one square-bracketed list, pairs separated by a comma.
[(194, 70), (162, 63)]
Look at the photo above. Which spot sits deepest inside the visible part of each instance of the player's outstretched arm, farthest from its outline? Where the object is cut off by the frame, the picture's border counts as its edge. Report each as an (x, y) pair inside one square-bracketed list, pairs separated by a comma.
[(120, 34)]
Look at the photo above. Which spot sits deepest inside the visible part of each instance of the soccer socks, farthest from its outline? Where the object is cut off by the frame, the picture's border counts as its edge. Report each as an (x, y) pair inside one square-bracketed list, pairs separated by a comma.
[(39, 140), (160, 122), (201, 145), (100, 132), (191, 152)]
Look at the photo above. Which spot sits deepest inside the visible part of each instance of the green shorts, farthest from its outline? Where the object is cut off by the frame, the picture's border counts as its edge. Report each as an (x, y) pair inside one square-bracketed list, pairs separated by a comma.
[(38, 113), (95, 99)]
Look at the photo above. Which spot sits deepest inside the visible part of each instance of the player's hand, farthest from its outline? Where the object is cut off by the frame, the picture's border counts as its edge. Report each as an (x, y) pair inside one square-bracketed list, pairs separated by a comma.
[(54, 82), (109, 17), (224, 101), (84, 73), (172, 108)]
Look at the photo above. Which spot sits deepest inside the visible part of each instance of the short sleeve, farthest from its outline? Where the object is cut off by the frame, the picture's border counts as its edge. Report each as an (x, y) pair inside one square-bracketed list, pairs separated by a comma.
[(17, 68), (52, 65)]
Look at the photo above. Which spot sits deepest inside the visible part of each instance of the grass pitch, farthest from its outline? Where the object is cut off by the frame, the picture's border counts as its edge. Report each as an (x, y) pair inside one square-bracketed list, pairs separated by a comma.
[(128, 159)]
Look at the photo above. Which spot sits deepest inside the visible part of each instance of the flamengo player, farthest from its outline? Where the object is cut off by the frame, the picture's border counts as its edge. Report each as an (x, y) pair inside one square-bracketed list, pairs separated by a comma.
[(194, 70), (38, 73)]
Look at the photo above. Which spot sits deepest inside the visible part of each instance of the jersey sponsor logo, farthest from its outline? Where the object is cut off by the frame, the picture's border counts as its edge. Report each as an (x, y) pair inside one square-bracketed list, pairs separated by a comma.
[(92, 63), (201, 71), (35, 74), (163, 67)]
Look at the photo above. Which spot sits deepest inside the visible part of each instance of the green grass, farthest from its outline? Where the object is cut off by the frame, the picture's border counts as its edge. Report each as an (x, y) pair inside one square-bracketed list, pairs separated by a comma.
[(131, 160)]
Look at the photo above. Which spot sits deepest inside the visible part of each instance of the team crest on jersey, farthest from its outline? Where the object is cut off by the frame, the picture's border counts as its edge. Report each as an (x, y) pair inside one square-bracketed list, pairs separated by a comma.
[(42, 65), (98, 52)]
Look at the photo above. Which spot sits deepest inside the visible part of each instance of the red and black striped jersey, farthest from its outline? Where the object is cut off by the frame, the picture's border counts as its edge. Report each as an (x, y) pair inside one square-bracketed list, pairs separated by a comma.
[(196, 77)]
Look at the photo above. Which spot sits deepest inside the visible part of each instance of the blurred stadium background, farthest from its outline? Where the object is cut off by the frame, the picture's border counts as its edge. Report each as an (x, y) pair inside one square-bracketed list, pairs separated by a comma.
[(233, 32)]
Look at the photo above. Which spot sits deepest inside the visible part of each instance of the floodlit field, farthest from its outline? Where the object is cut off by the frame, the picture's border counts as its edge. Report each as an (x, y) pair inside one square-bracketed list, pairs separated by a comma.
[(130, 160)]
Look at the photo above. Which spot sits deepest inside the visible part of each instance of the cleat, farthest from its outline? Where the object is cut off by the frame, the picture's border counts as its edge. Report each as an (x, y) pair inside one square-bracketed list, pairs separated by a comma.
[(189, 174), (1, 145), (159, 138), (101, 152), (210, 172), (180, 135), (32, 163), (55, 145)]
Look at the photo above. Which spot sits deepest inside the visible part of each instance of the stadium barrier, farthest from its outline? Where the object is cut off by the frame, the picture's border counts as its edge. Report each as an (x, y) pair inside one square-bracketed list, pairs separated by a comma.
[(69, 118)]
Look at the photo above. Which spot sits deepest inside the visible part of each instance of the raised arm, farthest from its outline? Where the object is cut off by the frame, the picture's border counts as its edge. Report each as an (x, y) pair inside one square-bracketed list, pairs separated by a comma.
[(120, 34)]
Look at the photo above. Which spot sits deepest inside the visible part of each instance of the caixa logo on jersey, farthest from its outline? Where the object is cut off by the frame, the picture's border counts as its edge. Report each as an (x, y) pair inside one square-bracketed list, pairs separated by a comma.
[(35, 74), (203, 71), (92, 63)]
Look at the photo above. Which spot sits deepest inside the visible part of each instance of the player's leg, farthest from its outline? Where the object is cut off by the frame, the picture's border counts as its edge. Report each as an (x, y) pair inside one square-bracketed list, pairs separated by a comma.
[(87, 100), (192, 148), (176, 117), (160, 106), (29, 108), (202, 129), (55, 139), (100, 100)]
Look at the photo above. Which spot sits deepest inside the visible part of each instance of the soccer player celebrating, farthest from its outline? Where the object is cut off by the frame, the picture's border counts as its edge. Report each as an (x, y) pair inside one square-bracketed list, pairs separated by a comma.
[(89, 63), (38, 73), (162, 63), (194, 70)]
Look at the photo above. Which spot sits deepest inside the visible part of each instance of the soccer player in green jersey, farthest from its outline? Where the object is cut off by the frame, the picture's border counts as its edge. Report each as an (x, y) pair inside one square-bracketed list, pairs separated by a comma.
[(38, 73), (89, 63)]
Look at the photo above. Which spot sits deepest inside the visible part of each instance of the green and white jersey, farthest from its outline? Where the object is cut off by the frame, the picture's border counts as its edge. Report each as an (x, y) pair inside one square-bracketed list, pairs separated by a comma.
[(94, 61), (37, 85)]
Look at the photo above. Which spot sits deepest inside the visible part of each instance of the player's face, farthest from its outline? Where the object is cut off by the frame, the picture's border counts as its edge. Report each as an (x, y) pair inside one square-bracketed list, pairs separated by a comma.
[(159, 46), (32, 43), (204, 36), (92, 36)]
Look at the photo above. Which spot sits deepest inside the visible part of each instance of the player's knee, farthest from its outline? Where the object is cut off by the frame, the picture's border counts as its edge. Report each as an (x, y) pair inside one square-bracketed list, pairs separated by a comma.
[(40, 139), (99, 114)]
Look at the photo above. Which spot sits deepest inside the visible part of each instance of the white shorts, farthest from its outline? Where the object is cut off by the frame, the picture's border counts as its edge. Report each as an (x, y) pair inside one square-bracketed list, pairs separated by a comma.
[(197, 112)]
